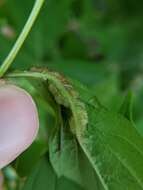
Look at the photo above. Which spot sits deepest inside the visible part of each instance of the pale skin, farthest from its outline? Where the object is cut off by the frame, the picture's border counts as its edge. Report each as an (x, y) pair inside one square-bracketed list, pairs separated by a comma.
[(18, 122)]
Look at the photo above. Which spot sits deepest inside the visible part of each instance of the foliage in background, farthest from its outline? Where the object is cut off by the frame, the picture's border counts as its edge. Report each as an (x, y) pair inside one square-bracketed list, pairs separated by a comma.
[(98, 43)]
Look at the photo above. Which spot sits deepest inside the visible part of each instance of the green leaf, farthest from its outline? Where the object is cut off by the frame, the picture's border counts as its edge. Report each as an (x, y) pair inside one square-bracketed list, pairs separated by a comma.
[(111, 143), (68, 159), (44, 178), (27, 161), (63, 150), (127, 106), (62, 140), (114, 148)]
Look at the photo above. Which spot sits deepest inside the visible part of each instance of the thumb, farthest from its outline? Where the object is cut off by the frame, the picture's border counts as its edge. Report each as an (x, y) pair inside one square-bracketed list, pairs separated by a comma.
[(18, 122)]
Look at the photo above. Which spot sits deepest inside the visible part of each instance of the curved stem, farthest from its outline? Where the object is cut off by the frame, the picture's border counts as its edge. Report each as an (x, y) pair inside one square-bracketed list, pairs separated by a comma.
[(18, 44)]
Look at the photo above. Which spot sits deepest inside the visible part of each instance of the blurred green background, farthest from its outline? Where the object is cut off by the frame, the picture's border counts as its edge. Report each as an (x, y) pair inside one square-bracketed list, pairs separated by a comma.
[(98, 42)]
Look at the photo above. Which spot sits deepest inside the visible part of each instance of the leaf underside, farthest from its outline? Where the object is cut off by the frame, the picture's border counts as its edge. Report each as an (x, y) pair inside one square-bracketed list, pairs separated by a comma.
[(88, 141)]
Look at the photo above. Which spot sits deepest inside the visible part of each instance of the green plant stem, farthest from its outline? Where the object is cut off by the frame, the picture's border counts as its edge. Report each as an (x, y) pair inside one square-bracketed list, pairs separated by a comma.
[(18, 44)]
